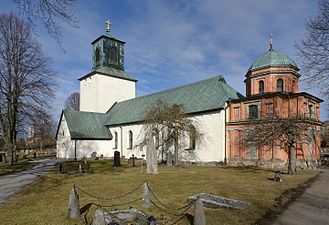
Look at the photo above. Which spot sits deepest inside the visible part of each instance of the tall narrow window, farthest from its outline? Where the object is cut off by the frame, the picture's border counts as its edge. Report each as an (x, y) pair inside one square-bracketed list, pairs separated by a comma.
[(269, 109), (236, 111), (115, 140), (311, 110), (97, 57), (192, 138), (279, 85), (261, 87), (130, 144), (253, 111)]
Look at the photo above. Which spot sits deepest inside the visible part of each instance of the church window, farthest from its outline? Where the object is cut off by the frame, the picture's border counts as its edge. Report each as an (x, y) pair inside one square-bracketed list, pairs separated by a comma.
[(130, 143), (113, 57), (279, 85), (97, 57), (192, 138), (253, 112), (269, 109), (261, 87), (115, 139), (236, 116), (305, 109), (310, 110)]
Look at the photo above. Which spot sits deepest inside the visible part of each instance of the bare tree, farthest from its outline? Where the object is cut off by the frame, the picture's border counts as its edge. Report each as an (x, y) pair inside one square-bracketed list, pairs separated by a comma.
[(167, 124), (281, 132), (73, 101), (313, 50), (26, 82), (50, 13), (43, 128)]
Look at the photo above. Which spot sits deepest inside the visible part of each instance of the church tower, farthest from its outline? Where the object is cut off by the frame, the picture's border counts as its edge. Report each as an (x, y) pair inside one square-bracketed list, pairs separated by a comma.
[(107, 83)]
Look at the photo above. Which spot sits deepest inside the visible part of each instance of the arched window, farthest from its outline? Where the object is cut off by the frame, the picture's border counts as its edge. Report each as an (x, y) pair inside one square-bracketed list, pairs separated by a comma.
[(97, 57), (130, 143), (279, 85), (261, 87), (192, 137), (115, 140)]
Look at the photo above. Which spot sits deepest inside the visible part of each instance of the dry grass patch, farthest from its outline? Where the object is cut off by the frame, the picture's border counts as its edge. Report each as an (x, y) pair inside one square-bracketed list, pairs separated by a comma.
[(6, 168), (46, 201)]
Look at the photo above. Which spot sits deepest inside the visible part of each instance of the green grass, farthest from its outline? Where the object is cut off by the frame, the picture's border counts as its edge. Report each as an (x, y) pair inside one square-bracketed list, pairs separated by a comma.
[(6, 168), (46, 201)]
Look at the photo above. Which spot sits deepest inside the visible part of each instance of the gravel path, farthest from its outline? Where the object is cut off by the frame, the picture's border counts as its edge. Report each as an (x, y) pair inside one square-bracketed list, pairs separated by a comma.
[(312, 207), (11, 184)]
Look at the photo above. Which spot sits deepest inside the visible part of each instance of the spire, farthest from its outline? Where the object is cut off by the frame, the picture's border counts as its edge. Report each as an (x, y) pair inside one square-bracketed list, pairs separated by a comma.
[(271, 43)]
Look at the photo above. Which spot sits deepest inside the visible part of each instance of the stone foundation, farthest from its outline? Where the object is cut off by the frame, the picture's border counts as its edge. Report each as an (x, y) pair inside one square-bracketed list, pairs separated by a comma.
[(275, 164)]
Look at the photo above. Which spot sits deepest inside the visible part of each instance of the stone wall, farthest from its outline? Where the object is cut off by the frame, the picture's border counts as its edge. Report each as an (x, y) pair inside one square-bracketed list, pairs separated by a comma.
[(276, 164)]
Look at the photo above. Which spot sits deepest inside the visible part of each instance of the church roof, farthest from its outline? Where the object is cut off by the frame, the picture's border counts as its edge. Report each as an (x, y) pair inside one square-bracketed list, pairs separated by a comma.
[(205, 95), (86, 125), (272, 58), (108, 71)]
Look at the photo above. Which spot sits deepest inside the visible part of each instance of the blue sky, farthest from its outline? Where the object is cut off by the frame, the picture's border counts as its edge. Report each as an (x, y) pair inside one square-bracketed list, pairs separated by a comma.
[(171, 43)]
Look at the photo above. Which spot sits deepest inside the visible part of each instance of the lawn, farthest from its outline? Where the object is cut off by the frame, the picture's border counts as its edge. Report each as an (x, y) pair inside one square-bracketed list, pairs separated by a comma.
[(6, 169), (46, 201)]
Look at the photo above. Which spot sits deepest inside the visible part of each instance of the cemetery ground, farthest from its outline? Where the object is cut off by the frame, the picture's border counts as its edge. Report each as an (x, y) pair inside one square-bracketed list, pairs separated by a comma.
[(6, 169), (46, 200)]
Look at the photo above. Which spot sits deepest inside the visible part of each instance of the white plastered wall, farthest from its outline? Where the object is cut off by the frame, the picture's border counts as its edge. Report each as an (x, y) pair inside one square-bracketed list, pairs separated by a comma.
[(99, 92), (69, 149), (210, 148)]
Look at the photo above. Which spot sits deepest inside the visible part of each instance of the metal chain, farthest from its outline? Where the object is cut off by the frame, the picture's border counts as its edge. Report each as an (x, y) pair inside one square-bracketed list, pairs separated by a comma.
[(164, 210), (171, 208), (176, 221), (110, 198)]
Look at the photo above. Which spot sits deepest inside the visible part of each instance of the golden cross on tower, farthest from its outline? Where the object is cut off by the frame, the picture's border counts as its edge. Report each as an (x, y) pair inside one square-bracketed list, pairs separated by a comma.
[(108, 26)]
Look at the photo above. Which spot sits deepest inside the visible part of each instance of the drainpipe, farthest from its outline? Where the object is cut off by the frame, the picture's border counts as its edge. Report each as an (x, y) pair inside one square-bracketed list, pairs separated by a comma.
[(225, 157), (121, 141), (75, 150)]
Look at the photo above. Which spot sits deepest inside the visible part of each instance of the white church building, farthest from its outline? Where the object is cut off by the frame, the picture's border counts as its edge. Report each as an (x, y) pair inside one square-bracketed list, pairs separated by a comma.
[(111, 116)]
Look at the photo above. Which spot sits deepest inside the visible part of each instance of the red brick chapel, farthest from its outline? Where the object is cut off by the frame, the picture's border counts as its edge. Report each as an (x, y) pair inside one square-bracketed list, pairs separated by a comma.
[(271, 92)]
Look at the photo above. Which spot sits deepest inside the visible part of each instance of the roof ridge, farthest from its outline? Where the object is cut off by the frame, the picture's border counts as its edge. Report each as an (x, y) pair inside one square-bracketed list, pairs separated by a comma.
[(220, 78), (86, 112)]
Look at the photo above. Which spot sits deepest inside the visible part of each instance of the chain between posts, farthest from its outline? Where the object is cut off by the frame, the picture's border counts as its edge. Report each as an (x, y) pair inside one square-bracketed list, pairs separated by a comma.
[(171, 208), (111, 198)]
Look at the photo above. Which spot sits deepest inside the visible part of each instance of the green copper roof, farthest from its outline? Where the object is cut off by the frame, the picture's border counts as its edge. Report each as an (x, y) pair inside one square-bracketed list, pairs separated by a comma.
[(272, 58), (87, 125), (107, 71), (201, 96)]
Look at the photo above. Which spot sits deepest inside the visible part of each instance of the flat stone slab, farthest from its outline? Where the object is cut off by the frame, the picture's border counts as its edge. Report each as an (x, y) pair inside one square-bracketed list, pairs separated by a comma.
[(214, 201), (123, 217)]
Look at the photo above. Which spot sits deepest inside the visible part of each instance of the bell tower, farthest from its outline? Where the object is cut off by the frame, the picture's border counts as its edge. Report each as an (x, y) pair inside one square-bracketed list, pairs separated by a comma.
[(107, 83), (108, 51)]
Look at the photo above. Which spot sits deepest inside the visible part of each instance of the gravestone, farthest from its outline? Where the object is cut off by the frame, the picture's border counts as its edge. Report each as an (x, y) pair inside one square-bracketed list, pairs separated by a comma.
[(214, 201), (146, 200), (117, 161), (278, 176), (169, 158), (93, 155), (74, 203)]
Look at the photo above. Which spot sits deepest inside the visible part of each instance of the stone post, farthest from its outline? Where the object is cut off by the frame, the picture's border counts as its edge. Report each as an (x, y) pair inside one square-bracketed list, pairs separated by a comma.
[(199, 217), (146, 201), (74, 211), (99, 218)]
